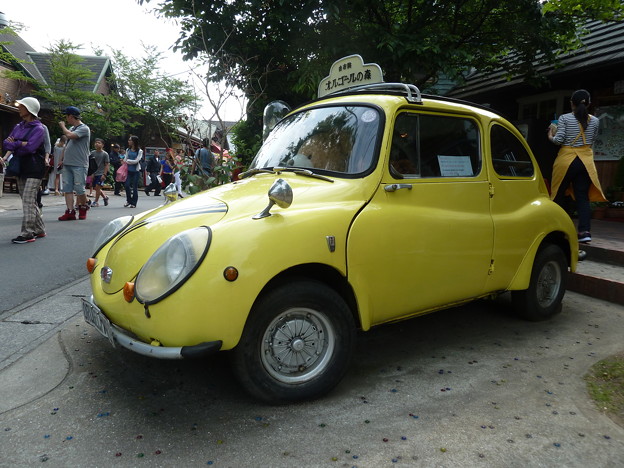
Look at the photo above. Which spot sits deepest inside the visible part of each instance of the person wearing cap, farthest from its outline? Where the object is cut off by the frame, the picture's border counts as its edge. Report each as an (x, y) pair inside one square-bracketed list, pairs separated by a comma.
[(75, 161), (26, 142)]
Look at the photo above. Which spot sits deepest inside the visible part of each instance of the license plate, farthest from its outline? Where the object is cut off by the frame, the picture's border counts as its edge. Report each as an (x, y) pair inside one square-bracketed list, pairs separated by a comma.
[(93, 316)]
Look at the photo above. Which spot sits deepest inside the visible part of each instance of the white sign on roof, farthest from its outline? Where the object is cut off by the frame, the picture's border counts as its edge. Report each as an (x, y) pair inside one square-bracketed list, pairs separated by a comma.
[(348, 72)]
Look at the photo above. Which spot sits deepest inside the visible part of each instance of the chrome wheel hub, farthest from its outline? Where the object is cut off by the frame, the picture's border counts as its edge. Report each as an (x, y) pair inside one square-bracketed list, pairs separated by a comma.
[(298, 345), (548, 284)]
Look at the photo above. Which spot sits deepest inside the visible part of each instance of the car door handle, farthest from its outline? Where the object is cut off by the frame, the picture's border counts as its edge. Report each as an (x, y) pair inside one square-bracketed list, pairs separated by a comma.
[(395, 187)]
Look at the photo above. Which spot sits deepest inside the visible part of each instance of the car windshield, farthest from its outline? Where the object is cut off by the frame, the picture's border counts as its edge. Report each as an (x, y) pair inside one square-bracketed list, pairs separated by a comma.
[(338, 139)]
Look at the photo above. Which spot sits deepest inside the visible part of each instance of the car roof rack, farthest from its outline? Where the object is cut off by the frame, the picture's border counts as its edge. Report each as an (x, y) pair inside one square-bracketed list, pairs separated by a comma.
[(413, 94)]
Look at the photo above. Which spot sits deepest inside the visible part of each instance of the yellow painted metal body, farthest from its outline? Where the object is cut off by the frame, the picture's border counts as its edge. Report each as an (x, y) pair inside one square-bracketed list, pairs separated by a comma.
[(442, 242)]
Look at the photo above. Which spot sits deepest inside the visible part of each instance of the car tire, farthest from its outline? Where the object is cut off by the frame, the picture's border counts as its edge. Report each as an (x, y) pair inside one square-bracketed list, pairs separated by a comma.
[(542, 300), (297, 343)]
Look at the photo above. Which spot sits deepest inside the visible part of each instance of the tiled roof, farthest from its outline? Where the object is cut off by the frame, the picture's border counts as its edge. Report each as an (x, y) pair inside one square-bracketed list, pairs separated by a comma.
[(99, 65), (19, 48), (602, 46), (37, 64)]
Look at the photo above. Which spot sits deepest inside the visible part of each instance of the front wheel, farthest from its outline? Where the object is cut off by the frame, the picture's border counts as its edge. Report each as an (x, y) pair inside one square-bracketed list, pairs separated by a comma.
[(297, 343), (542, 300)]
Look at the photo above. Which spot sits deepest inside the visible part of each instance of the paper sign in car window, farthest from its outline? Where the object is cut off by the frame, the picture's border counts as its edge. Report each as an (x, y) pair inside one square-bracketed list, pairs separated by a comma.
[(455, 166)]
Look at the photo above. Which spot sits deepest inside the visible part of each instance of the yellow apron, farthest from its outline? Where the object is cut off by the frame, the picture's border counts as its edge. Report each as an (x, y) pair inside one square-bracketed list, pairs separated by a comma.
[(565, 156)]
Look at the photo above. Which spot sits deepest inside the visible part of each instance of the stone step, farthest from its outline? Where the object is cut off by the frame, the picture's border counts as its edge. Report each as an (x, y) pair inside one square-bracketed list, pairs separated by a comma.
[(598, 279), (603, 254)]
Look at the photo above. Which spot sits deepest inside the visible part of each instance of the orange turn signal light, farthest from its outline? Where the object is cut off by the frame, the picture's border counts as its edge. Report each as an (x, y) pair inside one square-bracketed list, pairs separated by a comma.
[(128, 291), (230, 273), (91, 264)]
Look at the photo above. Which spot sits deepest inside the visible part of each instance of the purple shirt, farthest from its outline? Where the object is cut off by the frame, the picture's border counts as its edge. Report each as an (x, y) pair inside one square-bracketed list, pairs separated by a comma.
[(35, 138)]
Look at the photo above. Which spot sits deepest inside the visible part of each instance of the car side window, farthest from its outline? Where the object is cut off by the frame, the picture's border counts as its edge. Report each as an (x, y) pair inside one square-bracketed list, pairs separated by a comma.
[(509, 156), (426, 145)]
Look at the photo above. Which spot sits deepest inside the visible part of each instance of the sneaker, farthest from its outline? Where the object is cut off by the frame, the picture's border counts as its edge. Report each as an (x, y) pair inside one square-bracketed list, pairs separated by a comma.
[(23, 240), (82, 212), (40, 235), (146, 193), (45, 192), (68, 216), (105, 201), (95, 205), (584, 237)]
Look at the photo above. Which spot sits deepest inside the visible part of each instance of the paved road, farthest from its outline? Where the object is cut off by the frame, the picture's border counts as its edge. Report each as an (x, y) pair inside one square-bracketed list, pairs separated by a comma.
[(32, 270), (471, 386)]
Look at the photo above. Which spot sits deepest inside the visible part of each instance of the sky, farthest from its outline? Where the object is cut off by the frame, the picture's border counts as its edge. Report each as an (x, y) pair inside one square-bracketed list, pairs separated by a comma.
[(104, 24)]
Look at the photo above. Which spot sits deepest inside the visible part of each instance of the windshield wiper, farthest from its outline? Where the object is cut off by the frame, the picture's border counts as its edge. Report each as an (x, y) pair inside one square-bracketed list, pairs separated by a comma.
[(299, 171), (251, 172)]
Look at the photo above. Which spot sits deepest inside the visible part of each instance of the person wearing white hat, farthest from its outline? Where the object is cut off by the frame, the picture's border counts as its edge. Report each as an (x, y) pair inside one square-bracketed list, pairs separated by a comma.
[(26, 143)]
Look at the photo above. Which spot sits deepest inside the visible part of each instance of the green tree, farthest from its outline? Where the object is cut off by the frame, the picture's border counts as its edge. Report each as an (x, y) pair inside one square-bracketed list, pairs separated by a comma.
[(294, 42), (158, 101), (70, 82)]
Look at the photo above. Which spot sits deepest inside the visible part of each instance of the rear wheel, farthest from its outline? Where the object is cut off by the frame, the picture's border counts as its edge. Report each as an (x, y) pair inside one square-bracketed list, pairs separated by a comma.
[(542, 300), (297, 343)]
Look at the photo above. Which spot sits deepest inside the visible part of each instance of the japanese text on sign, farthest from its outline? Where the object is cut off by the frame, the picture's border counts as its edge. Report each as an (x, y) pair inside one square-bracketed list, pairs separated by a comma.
[(349, 72)]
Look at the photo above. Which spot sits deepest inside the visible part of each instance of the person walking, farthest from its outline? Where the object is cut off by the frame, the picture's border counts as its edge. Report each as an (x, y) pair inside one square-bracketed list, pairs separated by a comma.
[(54, 177), (574, 171), (26, 143), (75, 161), (99, 176), (153, 170), (168, 166), (134, 153), (116, 161), (178, 161), (204, 160)]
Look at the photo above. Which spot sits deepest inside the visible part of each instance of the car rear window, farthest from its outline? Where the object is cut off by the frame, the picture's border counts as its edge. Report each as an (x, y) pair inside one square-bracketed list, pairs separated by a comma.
[(509, 156)]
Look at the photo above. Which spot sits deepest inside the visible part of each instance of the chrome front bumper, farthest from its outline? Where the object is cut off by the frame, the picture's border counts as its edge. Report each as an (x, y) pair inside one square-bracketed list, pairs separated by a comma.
[(117, 336)]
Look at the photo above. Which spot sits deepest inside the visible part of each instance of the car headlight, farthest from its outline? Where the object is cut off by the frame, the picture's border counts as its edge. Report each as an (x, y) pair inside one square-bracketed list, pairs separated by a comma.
[(173, 262), (110, 231)]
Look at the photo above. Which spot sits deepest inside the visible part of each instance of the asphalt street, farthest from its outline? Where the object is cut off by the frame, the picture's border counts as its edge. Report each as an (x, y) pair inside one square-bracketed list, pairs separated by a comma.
[(470, 386), (58, 259)]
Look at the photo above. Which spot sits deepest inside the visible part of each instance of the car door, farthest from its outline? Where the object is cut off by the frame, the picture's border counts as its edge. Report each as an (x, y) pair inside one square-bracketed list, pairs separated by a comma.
[(425, 239), (517, 204)]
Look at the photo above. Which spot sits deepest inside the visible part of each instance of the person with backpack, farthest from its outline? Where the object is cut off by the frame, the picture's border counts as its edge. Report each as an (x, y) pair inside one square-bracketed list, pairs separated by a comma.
[(26, 144)]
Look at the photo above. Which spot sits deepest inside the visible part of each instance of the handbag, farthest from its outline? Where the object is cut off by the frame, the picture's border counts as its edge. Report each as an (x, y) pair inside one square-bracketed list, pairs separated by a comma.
[(13, 167), (122, 173)]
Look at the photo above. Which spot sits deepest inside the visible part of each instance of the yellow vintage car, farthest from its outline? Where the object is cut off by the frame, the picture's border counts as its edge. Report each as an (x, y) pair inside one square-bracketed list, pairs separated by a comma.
[(383, 204)]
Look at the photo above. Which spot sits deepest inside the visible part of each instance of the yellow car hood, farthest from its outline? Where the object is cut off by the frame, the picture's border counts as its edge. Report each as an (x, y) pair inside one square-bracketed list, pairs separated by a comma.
[(134, 246), (242, 199)]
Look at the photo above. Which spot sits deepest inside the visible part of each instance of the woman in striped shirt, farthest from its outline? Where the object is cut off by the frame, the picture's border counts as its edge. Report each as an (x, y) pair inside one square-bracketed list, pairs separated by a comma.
[(574, 171)]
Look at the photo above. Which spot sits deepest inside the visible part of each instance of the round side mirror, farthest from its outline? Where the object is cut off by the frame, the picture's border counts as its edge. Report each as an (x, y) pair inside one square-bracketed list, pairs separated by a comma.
[(280, 194)]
